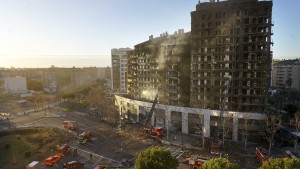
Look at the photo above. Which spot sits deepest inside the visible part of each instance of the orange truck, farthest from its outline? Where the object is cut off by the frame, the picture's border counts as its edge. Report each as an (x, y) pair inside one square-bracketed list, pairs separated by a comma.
[(84, 137), (72, 125)]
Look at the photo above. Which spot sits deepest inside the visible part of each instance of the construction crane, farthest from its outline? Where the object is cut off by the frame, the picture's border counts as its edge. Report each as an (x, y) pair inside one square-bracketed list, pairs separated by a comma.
[(148, 129), (216, 143)]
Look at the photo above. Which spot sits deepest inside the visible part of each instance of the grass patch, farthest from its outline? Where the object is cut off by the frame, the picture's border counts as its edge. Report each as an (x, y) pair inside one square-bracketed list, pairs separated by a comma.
[(17, 144)]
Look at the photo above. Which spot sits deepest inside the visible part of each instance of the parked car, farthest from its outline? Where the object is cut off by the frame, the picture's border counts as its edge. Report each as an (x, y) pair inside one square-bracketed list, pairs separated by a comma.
[(51, 160), (73, 165)]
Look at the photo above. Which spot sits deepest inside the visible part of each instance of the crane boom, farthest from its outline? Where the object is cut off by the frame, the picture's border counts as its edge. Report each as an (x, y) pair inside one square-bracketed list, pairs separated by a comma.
[(151, 112)]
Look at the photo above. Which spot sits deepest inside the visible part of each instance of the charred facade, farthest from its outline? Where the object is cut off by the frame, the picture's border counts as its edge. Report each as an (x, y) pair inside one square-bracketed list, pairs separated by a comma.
[(161, 66), (231, 55)]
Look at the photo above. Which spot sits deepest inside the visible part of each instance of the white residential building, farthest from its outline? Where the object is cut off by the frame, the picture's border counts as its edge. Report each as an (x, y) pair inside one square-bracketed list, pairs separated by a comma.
[(15, 84), (119, 69)]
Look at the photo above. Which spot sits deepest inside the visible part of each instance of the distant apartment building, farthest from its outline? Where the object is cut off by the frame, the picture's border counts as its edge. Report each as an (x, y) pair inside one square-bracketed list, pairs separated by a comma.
[(104, 72), (161, 66), (119, 69), (15, 84), (231, 55), (82, 77), (283, 71), (55, 79)]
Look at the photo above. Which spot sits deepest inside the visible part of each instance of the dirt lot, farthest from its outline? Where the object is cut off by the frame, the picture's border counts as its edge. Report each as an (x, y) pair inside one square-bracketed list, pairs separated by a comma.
[(38, 142)]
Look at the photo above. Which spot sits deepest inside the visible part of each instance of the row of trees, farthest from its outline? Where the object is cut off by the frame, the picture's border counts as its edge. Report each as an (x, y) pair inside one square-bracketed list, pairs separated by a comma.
[(161, 158)]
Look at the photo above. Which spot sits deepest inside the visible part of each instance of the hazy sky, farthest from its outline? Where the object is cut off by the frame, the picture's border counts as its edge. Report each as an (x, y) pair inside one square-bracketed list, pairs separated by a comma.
[(66, 33)]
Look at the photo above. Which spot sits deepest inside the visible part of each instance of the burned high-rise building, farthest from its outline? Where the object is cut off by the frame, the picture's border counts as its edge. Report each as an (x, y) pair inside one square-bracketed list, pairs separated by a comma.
[(220, 70), (231, 55), (161, 66)]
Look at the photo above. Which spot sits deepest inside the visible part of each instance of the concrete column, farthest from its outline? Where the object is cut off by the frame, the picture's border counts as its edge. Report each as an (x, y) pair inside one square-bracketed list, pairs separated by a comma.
[(168, 117), (235, 125), (185, 123), (206, 124), (137, 113)]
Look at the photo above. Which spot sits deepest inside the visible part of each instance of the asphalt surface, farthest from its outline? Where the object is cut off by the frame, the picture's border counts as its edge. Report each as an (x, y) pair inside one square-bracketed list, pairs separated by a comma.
[(109, 146)]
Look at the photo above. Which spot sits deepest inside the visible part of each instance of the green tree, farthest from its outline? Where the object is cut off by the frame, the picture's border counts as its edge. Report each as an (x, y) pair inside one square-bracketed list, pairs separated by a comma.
[(295, 122), (219, 163), (156, 157), (97, 99), (273, 124), (34, 85), (281, 163), (36, 100)]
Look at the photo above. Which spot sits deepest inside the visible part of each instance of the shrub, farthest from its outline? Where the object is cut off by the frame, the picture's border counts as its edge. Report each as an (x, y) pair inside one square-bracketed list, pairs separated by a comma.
[(7, 146), (27, 154), (156, 158)]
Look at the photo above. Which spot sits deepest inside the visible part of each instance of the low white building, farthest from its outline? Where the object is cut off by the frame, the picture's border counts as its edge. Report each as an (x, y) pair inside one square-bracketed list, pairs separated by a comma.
[(15, 84), (166, 116)]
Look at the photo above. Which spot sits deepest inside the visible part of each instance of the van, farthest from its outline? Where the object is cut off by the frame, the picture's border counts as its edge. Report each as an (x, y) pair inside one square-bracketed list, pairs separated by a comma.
[(73, 165)]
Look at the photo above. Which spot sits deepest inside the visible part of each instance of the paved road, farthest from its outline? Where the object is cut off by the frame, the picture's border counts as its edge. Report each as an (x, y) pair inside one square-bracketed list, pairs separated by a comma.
[(108, 146)]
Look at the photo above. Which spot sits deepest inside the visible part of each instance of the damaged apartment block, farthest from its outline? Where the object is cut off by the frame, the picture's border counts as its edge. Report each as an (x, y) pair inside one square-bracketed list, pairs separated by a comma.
[(221, 69)]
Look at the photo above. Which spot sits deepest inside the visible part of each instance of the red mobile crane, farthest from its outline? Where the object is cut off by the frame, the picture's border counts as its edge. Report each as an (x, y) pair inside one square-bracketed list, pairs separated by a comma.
[(148, 129)]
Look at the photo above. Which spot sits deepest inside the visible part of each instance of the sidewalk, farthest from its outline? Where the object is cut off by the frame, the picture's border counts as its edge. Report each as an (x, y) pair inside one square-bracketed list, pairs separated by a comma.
[(91, 159)]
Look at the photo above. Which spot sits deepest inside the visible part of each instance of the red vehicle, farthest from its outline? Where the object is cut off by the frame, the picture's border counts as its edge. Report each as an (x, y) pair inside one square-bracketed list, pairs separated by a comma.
[(148, 129), (215, 146), (62, 149), (262, 155), (195, 162), (101, 167), (84, 137), (72, 125), (51, 160), (73, 165)]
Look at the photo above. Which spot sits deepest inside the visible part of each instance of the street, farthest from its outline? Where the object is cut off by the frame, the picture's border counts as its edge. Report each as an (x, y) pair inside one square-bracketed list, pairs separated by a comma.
[(109, 146)]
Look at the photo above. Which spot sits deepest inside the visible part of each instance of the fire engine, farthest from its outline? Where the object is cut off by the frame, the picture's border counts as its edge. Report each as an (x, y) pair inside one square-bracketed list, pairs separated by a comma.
[(261, 155), (84, 137), (148, 129), (195, 162), (62, 149), (70, 125)]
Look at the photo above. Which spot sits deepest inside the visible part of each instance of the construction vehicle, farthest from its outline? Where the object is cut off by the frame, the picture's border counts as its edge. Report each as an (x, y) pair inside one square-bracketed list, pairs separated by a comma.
[(148, 129), (71, 125), (84, 137), (261, 154), (216, 142), (195, 162)]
